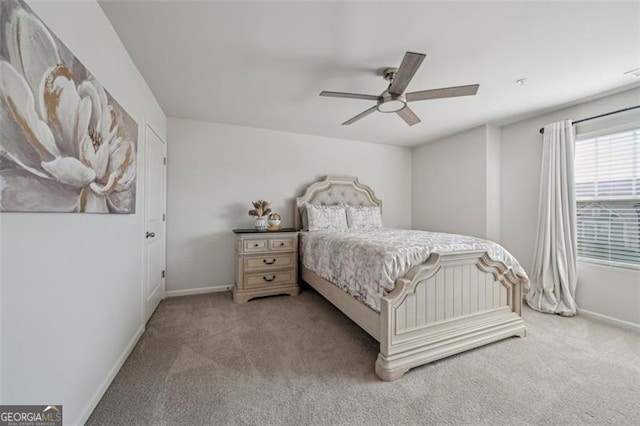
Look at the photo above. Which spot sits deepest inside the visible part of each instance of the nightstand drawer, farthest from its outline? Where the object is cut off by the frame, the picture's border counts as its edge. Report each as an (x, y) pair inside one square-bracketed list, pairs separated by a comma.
[(269, 261), (282, 243), (269, 278), (255, 245)]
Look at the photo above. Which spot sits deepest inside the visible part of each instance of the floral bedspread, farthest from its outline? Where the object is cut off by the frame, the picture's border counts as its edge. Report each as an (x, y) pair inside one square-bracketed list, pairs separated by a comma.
[(366, 264)]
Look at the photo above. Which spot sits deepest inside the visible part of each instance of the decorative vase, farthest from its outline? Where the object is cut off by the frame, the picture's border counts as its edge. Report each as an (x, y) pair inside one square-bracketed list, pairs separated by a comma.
[(260, 223)]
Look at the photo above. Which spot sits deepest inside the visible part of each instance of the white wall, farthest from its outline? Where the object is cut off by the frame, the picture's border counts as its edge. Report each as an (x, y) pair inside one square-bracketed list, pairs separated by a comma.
[(215, 170), (612, 292), (607, 291), (493, 164), (72, 283), (450, 184)]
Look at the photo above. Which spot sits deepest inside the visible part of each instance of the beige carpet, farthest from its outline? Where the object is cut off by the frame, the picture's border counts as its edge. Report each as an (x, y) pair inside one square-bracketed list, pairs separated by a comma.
[(298, 360)]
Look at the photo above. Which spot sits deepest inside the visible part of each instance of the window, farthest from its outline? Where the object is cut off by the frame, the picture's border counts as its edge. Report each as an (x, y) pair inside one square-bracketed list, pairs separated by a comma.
[(607, 175)]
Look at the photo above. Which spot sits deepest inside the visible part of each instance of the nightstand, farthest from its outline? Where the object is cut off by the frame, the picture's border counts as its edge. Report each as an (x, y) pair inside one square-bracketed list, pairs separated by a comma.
[(267, 263)]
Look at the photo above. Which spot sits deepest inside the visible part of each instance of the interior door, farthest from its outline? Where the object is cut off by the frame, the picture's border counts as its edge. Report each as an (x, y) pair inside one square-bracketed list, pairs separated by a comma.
[(155, 196)]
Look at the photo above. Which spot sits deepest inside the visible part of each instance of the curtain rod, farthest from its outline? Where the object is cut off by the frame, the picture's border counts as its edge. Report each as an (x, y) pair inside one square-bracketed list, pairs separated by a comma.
[(598, 116)]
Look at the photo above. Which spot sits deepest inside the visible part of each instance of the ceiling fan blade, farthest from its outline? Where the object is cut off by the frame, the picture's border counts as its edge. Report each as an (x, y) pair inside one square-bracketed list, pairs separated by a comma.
[(408, 116), (446, 92), (410, 64), (361, 115), (348, 95)]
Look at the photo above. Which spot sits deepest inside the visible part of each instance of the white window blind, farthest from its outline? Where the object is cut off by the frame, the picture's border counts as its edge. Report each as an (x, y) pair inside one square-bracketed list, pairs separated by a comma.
[(607, 176)]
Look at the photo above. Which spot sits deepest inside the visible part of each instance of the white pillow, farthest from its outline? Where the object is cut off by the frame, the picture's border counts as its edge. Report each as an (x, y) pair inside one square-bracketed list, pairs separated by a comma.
[(326, 218), (364, 218), (303, 215)]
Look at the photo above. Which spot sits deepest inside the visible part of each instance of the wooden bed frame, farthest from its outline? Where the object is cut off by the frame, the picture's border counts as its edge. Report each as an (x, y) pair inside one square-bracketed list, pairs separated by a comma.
[(451, 303)]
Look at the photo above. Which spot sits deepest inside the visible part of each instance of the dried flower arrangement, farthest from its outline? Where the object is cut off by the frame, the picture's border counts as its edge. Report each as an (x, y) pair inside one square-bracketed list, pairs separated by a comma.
[(260, 208)]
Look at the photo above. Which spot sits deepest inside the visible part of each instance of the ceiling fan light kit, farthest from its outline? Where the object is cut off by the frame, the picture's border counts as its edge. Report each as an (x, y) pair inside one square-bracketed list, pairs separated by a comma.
[(391, 103), (394, 99)]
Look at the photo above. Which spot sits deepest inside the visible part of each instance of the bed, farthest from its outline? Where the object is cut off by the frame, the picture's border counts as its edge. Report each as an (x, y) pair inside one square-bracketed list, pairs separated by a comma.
[(449, 303)]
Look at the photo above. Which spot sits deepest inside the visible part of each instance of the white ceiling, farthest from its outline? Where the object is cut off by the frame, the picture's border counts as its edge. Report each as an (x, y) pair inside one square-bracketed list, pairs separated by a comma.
[(263, 64)]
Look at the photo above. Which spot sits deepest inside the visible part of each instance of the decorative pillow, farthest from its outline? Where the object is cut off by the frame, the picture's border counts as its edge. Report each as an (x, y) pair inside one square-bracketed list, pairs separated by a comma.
[(364, 218), (326, 218), (303, 215)]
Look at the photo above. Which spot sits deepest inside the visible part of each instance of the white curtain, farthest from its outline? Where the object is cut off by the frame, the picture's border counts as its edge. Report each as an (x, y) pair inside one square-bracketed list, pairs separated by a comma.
[(554, 275)]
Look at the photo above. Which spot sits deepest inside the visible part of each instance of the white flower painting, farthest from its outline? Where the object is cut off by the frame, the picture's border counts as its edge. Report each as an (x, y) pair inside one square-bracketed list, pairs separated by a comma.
[(65, 144)]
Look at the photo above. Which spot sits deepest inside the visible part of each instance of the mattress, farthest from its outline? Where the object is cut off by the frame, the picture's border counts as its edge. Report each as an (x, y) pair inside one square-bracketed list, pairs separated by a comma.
[(366, 264)]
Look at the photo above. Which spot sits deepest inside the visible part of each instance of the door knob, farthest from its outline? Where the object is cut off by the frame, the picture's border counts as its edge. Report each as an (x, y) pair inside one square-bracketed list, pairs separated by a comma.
[(151, 234)]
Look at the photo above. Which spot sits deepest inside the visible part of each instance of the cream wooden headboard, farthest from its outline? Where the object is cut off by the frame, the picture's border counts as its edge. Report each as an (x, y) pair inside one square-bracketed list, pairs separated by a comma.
[(335, 190)]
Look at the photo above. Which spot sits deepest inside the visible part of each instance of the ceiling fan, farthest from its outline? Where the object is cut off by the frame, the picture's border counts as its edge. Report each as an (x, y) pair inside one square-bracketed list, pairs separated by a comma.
[(394, 99)]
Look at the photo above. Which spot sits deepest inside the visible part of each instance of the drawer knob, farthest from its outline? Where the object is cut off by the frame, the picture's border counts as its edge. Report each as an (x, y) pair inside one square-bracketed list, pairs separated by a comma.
[(269, 263), (281, 244), (256, 245), (273, 277)]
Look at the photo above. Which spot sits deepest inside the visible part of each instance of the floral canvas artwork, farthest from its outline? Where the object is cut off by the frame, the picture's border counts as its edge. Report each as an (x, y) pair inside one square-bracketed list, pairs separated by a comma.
[(66, 145)]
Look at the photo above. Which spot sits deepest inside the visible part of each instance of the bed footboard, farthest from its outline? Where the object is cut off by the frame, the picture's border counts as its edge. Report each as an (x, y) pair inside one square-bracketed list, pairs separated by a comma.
[(449, 304)]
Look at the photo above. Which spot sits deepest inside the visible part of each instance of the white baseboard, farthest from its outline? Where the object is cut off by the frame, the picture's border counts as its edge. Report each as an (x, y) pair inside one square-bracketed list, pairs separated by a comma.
[(200, 290), (93, 402), (610, 320)]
